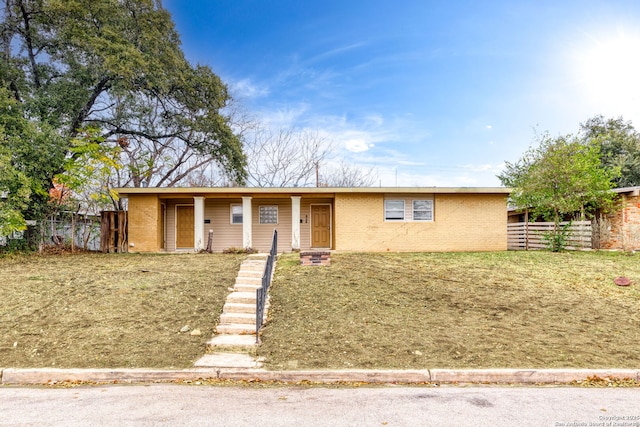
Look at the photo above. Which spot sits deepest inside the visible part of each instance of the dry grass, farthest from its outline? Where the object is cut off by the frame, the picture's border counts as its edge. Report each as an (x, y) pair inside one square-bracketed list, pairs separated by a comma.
[(470, 310), (95, 310), (464, 310)]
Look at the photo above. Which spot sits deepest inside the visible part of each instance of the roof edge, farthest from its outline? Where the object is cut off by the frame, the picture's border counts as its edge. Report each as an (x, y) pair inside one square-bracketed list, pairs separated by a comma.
[(312, 190)]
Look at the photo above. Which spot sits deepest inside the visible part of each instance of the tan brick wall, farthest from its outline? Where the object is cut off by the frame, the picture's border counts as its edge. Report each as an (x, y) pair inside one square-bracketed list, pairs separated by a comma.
[(462, 222), (145, 230)]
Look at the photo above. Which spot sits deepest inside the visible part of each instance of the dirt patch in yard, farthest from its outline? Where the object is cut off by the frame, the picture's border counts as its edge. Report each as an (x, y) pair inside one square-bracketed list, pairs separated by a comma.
[(117, 310), (464, 310)]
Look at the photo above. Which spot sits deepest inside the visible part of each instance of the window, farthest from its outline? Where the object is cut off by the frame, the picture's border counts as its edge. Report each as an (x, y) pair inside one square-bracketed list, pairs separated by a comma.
[(394, 210), (423, 210), (268, 214), (236, 214)]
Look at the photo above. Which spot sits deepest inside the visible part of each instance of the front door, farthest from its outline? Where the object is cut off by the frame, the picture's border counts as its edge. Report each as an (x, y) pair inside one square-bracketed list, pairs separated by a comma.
[(320, 226), (184, 226)]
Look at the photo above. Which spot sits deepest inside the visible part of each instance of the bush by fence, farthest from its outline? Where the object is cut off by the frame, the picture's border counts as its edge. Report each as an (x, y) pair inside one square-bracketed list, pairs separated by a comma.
[(531, 235)]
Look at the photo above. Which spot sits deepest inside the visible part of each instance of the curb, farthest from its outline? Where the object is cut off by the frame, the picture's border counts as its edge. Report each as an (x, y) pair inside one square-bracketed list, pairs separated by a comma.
[(52, 376)]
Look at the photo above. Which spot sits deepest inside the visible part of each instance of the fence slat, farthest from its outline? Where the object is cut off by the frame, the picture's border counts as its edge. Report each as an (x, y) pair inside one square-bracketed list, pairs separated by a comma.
[(531, 235), (113, 231)]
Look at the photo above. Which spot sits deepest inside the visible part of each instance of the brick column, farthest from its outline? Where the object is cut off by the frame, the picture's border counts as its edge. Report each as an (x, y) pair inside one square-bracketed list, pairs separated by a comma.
[(198, 223), (247, 232), (295, 223)]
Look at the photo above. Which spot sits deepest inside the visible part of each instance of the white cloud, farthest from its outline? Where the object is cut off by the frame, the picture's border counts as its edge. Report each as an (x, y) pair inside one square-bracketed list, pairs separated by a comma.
[(488, 127), (357, 145), (337, 51), (288, 117), (246, 89), (376, 119)]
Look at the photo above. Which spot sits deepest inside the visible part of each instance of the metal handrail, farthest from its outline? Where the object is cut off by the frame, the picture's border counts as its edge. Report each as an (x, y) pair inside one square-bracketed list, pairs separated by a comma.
[(261, 292)]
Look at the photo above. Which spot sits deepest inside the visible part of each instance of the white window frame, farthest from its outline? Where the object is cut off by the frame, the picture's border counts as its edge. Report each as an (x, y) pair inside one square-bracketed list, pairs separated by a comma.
[(260, 219), (386, 210), (429, 210), (235, 205)]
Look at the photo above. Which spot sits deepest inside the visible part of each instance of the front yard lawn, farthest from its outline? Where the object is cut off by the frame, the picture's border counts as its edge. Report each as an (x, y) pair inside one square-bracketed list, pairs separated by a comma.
[(455, 310), (418, 310), (118, 310)]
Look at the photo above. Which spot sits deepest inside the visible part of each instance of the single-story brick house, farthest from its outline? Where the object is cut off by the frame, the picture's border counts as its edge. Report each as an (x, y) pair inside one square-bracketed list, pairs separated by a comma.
[(349, 219)]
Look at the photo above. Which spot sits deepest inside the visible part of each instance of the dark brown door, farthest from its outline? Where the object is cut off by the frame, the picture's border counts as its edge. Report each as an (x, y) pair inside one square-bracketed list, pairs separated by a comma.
[(320, 226), (184, 226)]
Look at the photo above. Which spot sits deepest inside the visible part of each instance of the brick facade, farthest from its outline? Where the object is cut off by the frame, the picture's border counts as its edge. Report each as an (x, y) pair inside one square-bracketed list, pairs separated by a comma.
[(462, 222), (621, 230), (462, 219)]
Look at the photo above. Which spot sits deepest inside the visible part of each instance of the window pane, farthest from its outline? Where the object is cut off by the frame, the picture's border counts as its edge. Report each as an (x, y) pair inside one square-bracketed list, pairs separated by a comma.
[(236, 214), (268, 214), (394, 210), (423, 210), (422, 215), (394, 204)]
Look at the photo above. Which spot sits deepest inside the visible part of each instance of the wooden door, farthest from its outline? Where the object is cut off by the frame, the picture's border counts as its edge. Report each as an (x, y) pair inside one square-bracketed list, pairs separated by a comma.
[(320, 226), (184, 226)]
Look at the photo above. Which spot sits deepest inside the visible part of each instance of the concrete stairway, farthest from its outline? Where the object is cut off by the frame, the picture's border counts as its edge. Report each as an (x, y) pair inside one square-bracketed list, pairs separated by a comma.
[(234, 344)]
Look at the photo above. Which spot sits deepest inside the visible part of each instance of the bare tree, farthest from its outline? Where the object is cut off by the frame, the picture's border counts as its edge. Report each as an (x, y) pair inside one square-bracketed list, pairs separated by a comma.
[(348, 175), (285, 158)]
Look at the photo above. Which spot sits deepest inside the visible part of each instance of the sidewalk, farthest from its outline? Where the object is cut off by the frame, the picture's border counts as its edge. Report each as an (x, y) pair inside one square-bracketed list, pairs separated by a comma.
[(52, 376)]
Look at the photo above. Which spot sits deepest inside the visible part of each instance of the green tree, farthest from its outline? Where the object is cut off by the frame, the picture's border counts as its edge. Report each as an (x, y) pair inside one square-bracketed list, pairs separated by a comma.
[(619, 144), (14, 194), (15, 186), (562, 176), (116, 66), (89, 172)]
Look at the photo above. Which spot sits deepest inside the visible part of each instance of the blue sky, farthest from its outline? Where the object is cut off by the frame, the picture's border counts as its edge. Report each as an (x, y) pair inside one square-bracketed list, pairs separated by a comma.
[(430, 93)]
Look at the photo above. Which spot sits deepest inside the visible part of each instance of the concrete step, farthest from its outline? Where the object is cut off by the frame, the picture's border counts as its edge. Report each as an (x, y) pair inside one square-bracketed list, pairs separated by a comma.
[(246, 288), (233, 307), (237, 329), (242, 297), (249, 280), (253, 265), (250, 274), (246, 343), (238, 318), (250, 261)]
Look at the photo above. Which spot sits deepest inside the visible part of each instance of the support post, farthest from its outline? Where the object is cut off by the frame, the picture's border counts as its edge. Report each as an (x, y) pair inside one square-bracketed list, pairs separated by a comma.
[(247, 220), (198, 223), (295, 223)]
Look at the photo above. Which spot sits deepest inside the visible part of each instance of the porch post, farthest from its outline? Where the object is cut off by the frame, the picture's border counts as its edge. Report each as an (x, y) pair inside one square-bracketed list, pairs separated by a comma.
[(295, 223), (198, 223), (247, 232)]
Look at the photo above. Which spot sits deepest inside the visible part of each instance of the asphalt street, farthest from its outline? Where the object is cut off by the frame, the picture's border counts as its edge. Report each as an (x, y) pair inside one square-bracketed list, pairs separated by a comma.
[(176, 405)]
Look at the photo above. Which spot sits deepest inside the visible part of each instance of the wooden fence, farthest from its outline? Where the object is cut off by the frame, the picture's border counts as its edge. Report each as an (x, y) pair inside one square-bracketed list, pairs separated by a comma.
[(530, 235), (113, 231)]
